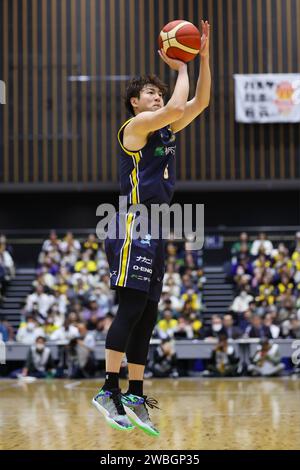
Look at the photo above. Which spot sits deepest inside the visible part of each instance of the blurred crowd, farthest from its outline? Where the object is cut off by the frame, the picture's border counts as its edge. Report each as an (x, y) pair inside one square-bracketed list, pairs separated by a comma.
[(267, 287), (73, 305)]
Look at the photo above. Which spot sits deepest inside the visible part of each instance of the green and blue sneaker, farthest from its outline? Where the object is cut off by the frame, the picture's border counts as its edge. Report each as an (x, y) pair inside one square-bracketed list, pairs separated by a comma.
[(137, 412), (109, 403)]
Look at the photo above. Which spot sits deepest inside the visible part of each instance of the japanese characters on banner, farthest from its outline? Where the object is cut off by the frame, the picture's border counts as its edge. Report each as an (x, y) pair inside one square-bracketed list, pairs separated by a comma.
[(266, 98)]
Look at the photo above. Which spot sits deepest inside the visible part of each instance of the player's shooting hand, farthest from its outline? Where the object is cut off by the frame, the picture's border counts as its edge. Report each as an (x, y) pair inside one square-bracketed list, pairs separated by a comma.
[(172, 63), (204, 48)]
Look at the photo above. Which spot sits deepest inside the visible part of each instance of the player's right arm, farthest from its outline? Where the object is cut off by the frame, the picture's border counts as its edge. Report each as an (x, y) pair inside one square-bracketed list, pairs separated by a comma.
[(150, 121)]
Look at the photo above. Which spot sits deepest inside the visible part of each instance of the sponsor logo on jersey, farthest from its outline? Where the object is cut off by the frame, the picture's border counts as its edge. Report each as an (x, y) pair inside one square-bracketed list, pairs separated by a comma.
[(146, 240), (159, 152), (170, 150), (143, 259), (142, 268), (163, 151), (139, 278)]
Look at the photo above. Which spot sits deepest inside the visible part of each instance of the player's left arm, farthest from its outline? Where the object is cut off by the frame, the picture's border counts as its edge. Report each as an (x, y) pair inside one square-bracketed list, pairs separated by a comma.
[(195, 106)]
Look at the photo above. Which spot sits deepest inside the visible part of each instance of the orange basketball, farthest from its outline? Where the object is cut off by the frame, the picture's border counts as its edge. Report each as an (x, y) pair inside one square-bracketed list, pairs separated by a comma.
[(180, 39)]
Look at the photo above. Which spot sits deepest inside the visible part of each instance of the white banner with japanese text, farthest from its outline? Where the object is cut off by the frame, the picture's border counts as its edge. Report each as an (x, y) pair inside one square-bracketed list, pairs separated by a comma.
[(267, 98)]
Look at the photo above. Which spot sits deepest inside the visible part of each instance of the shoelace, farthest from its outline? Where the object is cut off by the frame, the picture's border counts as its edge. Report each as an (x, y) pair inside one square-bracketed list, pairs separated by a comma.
[(116, 397), (151, 402)]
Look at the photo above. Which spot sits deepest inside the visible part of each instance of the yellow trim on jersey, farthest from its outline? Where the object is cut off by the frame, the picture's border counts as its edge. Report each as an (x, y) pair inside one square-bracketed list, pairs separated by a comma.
[(125, 252), (134, 175), (120, 142), (134, 180)]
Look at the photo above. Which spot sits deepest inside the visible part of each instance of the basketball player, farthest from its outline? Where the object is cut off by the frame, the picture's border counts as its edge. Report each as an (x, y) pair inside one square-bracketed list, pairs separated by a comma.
[(147, 174)]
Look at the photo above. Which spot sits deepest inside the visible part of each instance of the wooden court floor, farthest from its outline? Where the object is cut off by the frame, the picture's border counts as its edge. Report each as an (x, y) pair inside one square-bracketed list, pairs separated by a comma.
[(195, 414)]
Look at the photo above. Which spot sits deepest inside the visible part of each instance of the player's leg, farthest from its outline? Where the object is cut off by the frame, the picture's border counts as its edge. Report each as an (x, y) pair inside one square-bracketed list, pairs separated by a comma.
[(134, 399), (108, 401)]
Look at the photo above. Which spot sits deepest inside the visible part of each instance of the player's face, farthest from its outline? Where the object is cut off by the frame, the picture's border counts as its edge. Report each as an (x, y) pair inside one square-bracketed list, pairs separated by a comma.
[(150, 98)]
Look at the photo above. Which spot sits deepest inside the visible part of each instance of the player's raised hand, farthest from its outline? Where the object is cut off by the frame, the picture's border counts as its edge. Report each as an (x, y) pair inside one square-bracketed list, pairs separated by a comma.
[(204, 48), (174, 64)]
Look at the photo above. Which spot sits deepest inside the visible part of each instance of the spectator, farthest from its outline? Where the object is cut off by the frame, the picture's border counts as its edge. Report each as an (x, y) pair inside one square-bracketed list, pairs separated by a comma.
[(39, 362), (92, 310), (103, 298), (69, 243), (297, 242), (91, 243), (183, 329), (50, 327), (7, 267), (86, 263), (171, 273), (29, 331), (99, 332), (6, 330), (266, 361), (261, 244), (74, 318), (164, 362), (167, 325), (191, 296), (244, 319), (238, 247), (242, 271), (174, 289), (232, 332), (102, 327), (241, 303), (43, 301), (80, 357), (52, 243), (216, 328), (223, 361), (3, 243), (66, 332), (197, 325), (257, 329), (294, 328), (169, 301), (268, 322), (291, 328)]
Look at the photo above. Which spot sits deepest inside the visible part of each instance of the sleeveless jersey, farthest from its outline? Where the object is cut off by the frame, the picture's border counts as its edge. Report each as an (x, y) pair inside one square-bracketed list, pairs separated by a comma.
[(148, 175)]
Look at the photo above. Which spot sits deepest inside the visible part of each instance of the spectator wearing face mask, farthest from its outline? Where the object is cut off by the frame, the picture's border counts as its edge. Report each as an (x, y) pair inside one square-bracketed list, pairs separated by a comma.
[(39, 362), (216, 328), (29, 331)]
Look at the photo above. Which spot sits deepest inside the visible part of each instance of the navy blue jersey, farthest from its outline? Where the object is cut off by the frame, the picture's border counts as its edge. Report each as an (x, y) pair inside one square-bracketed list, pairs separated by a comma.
[(148, 175)]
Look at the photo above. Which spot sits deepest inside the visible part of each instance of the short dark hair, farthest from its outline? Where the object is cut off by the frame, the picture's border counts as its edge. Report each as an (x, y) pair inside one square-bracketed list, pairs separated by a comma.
[(40, 337), (136, 84)]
